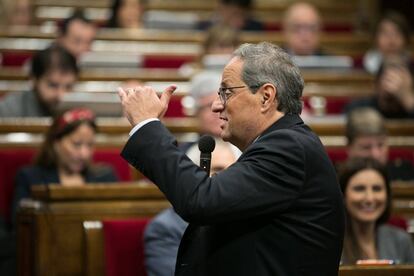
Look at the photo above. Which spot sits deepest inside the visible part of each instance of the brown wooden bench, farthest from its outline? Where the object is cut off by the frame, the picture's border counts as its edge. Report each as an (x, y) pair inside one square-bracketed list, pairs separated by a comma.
[(50, 228), (323, 126), (53, 239)]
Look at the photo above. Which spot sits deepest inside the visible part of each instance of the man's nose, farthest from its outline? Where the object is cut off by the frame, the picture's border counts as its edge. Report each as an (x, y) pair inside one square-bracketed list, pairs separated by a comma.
[(217, 105), (376, 153)]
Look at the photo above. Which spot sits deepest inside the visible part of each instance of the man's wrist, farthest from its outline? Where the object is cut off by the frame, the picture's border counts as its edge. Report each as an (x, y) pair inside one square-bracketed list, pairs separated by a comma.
[(141, 124)]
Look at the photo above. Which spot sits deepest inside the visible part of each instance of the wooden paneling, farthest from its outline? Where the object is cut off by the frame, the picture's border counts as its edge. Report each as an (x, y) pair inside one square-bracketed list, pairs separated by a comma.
[(391, 270), (51, 227)]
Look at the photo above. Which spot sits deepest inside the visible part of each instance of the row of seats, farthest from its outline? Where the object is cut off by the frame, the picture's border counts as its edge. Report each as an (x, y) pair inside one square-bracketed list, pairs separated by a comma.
[(13, 158), (270, 12), (163, 49), (104, 240)]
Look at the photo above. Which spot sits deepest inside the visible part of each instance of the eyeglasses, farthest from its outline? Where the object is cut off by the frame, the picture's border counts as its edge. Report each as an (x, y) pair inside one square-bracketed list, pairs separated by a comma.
[(225, 92)]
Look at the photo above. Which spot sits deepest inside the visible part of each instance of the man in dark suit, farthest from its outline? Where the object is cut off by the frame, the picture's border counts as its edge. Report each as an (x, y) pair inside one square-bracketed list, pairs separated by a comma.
[(278, 210)]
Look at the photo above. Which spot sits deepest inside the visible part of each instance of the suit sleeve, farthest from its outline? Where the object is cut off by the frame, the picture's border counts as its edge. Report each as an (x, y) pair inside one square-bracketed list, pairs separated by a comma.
[(267, 178)]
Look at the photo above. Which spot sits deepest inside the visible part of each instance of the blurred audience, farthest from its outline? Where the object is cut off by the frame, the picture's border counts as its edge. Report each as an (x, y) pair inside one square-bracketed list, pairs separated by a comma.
[(53, 74), (394, 95), (301, 30), (203, 91), (367, 138), (218, 46), (367, 194), (163, 234), (235, 14), (19, 13), (221, 39), (76, 34), (127, 14), (392, 38), (65, 157)]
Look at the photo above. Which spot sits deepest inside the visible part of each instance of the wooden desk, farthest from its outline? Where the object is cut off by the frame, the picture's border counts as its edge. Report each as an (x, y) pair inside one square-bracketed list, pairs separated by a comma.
[(50, 232), (392, 270), (403, 201), (107, 74), (109, 126), (323, 126), (50, 228), (349, 45), (332, 77)]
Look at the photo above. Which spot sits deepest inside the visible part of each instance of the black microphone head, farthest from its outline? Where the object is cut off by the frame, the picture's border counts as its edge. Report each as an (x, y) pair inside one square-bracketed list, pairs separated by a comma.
[(206, 144)]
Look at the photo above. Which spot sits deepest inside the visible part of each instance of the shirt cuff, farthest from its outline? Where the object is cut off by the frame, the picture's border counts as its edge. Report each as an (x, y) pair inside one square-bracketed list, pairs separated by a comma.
[(141, 124)]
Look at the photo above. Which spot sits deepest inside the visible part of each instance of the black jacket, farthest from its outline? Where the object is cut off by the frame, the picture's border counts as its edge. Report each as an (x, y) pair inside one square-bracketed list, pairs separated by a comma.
[(277, 211)]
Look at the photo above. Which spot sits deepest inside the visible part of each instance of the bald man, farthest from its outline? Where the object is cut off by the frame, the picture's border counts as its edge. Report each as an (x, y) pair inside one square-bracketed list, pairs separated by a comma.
[(301, 29)]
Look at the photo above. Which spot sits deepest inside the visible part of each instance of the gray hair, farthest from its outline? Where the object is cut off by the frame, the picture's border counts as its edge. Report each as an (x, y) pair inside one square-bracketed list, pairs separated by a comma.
[(364, 121), (268, 63)]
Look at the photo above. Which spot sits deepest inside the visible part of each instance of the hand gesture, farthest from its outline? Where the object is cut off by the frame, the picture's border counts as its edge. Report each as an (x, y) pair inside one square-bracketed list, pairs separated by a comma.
[(143, 103)]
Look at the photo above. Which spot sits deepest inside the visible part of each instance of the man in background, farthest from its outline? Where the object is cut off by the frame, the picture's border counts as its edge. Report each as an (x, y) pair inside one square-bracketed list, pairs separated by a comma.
[(53, 73), (301, 30), (77, 34), (203, 89), (367, 137), (235, 14)]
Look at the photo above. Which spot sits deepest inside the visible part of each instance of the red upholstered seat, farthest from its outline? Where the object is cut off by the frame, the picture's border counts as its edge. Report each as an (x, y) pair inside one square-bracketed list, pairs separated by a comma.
[(334, 105), (398, 222), (112, 157), (15, 58), (175, 108), (158, 61), (124, 247), (340, 153), (11, 160)]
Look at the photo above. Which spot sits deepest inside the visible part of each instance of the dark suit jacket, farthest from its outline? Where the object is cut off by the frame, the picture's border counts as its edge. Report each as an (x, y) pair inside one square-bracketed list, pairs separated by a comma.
[(277, 211)]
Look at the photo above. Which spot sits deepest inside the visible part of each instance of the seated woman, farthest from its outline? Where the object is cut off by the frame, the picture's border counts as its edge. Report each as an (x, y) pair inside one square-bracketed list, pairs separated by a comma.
[(367, 194), (64, 157), (126, 14), (392, 39)]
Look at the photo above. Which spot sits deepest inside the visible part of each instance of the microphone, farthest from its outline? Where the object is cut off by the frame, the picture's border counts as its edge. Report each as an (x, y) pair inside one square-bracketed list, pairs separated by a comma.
[(206, 145)]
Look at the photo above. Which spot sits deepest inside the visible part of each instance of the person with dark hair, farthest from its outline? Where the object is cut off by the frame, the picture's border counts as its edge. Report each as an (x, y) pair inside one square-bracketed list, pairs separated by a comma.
[(235, 14), (367, 194), (394, 95), (53, 73), (278, 209), (367, 138), (76, 34), (127, 14), (392, 38), (64, 157)]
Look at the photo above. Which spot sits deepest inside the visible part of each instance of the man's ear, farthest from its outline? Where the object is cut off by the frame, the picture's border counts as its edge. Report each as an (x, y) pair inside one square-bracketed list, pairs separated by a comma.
[(268, 97)]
